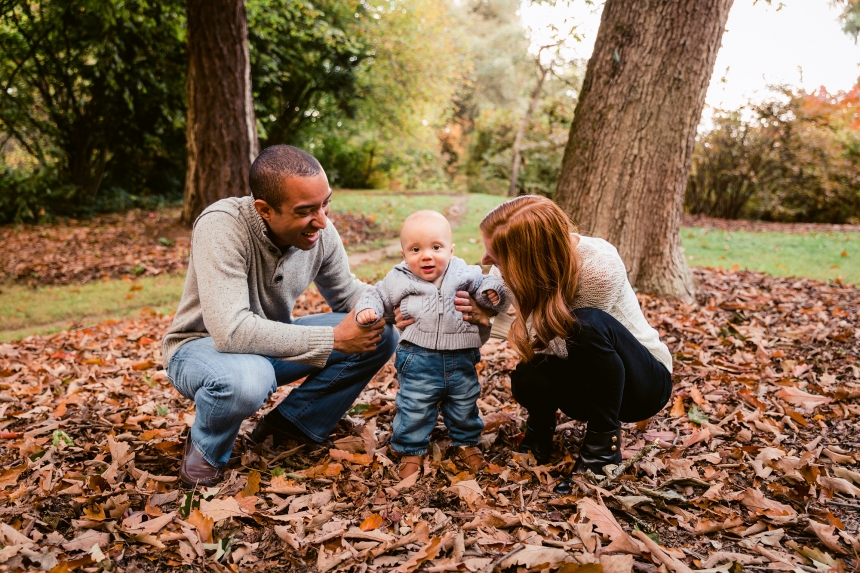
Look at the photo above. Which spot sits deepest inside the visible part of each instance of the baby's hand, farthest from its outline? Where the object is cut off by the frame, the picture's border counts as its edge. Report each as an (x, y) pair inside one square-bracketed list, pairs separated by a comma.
[(493, 296), (366, 316)]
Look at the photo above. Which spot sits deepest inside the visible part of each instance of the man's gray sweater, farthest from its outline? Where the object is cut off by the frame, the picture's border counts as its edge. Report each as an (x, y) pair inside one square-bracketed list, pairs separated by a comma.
[(241, 288), (438, 325)]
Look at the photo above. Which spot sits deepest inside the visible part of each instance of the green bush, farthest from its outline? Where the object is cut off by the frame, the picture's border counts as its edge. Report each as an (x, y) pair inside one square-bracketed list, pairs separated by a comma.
[(95, 96), (31, 195), (790, 158), (488, 163)]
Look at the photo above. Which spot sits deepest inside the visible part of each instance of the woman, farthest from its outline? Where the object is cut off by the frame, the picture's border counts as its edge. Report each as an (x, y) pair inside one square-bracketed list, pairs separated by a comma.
[(584, 344)]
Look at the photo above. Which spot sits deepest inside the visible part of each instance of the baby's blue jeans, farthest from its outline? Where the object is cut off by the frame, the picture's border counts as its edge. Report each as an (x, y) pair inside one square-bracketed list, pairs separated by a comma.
[(433, 380)]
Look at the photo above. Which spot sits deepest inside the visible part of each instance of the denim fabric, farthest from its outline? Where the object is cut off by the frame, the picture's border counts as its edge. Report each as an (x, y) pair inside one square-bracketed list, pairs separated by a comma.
[(609, 377), (227, 388), (433, 380)]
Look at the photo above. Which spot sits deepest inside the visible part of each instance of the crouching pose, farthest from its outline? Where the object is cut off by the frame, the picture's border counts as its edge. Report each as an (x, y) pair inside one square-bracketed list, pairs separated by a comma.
[(584, 344), (436, 357), (234, 339)]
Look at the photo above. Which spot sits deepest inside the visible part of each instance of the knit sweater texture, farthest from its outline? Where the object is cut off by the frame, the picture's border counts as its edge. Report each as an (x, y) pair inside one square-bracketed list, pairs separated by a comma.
[(438, 325), (241, 288), (603, 284)]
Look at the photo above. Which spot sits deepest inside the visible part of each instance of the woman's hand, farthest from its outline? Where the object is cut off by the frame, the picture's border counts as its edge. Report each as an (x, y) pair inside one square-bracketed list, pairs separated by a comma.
[(472, 312), (401, 323)]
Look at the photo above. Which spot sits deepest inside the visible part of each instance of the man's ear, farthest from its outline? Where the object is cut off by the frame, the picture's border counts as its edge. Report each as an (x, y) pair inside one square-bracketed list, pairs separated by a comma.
[(264, 209)]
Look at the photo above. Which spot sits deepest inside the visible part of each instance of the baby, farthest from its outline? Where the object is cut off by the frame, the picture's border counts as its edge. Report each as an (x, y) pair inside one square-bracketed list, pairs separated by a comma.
[(436, 357)]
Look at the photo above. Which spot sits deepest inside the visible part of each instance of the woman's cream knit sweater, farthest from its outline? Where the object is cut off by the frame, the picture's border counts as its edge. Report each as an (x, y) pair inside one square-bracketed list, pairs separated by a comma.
[(603, 284)]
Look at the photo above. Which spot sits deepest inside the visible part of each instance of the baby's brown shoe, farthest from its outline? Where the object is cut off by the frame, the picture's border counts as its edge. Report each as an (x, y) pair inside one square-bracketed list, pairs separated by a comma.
[(472, 457)]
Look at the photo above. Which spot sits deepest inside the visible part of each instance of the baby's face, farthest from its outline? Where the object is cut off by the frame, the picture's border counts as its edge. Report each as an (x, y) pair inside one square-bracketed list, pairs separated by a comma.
[(427, 247)]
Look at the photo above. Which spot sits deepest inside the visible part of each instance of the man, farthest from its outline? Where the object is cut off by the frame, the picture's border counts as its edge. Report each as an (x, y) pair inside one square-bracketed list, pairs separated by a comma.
[(234, 339)]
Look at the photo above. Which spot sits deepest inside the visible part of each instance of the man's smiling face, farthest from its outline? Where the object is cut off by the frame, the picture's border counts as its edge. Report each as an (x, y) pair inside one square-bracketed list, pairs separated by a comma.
[(302, 214)]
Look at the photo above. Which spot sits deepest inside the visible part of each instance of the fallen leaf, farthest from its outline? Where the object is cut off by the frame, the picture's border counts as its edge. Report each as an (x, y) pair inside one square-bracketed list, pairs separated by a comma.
[(469, 491), (755, 499), (827, 535), (280, 484), (253, 484), (203, 524), (616, 563), (678, 410), (532, 555), (220, 509), (598, 514), (426, 553), (86, 540), (373, 521), (11, 476), (802, 399), (839, 484)]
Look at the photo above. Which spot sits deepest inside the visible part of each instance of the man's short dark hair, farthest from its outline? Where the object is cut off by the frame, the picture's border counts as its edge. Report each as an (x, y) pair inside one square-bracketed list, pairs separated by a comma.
[(276, 163)]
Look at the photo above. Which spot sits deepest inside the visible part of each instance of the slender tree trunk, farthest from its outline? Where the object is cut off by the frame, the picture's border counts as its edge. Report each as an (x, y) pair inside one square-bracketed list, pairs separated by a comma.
[(221, 132), (518, 139), (626, 163)]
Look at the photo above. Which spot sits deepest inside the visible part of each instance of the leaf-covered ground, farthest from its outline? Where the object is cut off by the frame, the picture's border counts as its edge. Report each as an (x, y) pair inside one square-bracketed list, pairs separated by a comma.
[(755, 464), (114, 246)]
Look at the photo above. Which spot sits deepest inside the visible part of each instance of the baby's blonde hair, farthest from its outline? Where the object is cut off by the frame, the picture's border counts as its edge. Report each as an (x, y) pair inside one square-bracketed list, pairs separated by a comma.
[(426, 214)]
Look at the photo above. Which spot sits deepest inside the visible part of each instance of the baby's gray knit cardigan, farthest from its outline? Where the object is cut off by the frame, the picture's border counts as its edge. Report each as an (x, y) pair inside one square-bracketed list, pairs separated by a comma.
[(438, 326)]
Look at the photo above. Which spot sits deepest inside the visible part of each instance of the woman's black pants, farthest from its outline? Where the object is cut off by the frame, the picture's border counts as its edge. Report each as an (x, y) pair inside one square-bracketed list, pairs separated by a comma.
[(608, 377)]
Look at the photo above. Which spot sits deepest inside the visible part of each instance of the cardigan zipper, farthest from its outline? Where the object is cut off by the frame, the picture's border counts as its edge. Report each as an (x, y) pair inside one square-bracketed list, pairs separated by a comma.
[(439, 308)]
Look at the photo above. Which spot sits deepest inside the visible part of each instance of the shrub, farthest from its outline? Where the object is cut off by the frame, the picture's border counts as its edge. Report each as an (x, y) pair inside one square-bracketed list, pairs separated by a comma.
[(794, 158)]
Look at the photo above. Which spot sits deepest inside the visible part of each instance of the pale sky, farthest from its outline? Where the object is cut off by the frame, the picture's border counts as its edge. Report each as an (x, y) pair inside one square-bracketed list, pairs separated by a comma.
[(761, 46)]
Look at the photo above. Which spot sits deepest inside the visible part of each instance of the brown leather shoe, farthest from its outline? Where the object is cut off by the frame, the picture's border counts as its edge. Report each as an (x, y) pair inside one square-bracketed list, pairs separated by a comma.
[(472, 457), (410, 465), (283, 432), (195, 470)]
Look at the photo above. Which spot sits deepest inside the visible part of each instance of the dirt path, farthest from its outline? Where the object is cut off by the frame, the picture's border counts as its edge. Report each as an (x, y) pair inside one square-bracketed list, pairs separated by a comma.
[(391, 250)]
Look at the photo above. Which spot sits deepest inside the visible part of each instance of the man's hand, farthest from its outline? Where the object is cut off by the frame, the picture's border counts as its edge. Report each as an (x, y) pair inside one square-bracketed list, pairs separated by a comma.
[(350, 338), (493, 296), (366, 316), (399, 322), (463, 302)]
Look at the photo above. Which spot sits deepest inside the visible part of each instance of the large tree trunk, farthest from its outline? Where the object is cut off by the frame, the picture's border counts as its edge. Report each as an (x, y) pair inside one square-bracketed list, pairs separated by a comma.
[(626, 163), (221, 132)]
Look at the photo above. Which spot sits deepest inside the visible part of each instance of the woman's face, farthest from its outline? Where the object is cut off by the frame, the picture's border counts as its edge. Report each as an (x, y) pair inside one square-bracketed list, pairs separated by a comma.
[(489, 258)]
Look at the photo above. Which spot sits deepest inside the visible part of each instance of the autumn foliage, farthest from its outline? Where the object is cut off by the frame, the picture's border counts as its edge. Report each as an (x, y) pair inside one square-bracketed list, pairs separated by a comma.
[(792, 157), (755, 462)]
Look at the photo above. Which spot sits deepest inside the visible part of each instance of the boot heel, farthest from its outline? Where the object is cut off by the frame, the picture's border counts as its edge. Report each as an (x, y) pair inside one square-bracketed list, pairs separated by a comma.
[(598, 450)]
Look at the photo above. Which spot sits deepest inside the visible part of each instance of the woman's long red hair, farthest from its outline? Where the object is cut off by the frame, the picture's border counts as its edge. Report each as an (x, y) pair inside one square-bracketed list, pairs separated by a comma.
[(529, 238)]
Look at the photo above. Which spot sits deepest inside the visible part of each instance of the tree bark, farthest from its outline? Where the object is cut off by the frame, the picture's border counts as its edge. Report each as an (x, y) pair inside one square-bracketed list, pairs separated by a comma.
[(518, 139), (221, 131), (626, 163)]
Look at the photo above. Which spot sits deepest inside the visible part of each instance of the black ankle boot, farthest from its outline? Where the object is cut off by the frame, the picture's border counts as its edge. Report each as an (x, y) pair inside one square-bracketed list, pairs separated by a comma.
[(598, 449), (538, 439)]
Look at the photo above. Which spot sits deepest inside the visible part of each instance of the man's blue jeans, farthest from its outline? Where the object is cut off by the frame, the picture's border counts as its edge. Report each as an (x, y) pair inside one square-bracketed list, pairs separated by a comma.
[(433, 380), (227, 388)]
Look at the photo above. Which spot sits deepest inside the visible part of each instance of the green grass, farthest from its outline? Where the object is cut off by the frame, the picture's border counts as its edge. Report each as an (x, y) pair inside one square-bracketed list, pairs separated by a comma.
[(388, 210), (467, 238), (813, 255), (45, 310)]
